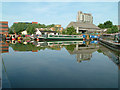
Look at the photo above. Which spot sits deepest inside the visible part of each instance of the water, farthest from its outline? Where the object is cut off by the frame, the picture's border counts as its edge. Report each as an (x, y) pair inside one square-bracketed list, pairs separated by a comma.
[(61, 64)]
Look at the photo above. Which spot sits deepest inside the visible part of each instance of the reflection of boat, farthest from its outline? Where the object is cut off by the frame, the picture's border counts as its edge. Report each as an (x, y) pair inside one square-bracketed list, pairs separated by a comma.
[(94, 42), (64, 42), (13, 41)]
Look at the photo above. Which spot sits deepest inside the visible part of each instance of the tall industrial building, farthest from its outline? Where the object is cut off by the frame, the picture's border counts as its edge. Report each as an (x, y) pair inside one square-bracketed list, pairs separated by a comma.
[(84, 17), (84, 24), (3, 27)]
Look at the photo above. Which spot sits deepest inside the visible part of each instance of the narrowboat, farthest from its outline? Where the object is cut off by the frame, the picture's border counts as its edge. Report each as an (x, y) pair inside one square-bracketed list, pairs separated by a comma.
[(7, 37), (64, 37), (12, 37), (110, 44)]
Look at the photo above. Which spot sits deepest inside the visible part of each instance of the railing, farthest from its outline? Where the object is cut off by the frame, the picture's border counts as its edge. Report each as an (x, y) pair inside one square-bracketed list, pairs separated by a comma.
[(107, 37)]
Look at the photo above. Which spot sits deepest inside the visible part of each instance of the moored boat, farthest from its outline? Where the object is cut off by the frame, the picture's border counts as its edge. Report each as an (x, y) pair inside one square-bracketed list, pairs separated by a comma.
[(110, 44), (64, 37)]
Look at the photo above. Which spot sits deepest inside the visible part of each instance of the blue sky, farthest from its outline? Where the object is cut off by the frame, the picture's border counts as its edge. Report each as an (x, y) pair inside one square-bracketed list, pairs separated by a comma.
[(58, 12)]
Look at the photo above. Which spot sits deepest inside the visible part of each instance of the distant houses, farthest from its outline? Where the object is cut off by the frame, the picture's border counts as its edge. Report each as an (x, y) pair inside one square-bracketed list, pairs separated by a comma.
[(24, 32), (27, 22), (40, 31), (40, 28)]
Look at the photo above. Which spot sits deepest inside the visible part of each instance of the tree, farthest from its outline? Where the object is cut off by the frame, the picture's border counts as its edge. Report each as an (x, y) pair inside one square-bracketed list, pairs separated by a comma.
[(18, 27), (101, 26), (107, 24), (114, 29), (63, 31), (10, 31), (70, 30), (49, 26), (31, 29)]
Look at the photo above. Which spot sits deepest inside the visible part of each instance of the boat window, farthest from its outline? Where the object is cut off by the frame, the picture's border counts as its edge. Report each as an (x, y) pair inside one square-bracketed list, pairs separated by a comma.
[(119, 35)]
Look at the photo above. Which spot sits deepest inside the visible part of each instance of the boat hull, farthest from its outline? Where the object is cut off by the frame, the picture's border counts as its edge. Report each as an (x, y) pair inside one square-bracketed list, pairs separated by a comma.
[(63, 39), (111, 45)]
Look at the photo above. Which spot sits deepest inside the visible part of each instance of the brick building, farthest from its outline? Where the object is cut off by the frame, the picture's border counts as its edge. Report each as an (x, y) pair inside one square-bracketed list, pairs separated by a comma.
[(3, 27)]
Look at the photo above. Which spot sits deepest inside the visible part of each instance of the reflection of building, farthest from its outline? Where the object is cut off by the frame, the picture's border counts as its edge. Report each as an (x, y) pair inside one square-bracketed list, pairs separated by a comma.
[(84, 52), (84, 17), (34, 50), (4, 47), (84, 56), (3, 27)]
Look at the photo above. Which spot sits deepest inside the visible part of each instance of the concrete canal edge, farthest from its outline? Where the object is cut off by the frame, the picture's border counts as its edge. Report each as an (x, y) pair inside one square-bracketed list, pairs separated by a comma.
[(0, 71)]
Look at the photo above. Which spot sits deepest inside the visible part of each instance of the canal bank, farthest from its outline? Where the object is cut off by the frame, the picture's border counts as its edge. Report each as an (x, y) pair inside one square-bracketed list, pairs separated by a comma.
[(111, 41)]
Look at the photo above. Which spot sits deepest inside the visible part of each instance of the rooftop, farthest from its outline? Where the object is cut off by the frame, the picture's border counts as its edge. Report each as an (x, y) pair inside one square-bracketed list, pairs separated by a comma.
[(83, 25)]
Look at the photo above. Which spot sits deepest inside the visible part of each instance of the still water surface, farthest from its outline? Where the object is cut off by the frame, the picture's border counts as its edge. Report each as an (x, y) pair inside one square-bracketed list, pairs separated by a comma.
[(73, 64)]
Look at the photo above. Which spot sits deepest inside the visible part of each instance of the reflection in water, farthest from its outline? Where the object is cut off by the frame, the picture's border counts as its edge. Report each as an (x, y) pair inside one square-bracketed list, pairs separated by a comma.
[(113, 55), (43, 69), (4, 46), (83, 50)]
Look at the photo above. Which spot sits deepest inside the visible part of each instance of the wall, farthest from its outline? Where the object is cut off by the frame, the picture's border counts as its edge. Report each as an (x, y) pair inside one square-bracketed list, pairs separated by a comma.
[(3, 27)]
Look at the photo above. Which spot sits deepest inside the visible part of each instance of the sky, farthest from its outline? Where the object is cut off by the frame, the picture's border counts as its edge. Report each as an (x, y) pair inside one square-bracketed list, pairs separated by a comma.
[(58, 12)]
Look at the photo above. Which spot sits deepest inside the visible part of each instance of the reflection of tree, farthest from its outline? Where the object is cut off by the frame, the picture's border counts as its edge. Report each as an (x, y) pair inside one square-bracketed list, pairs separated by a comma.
[(70, 47), (56, 47), (31, 47), (27, 47), (99, 51)]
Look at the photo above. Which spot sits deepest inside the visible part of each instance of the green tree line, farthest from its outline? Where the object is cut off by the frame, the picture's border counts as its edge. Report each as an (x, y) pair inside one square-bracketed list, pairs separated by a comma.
[(19, 27), (109, 26), (70, 31)]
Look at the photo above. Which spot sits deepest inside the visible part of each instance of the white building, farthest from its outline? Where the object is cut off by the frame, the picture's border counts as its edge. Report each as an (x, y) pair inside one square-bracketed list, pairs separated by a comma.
[(84, 17), (24, 32), (38, 32)]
